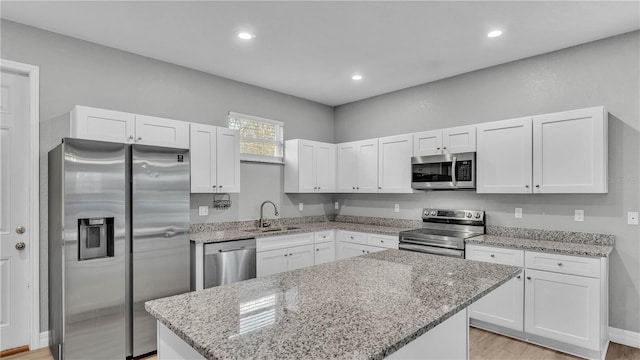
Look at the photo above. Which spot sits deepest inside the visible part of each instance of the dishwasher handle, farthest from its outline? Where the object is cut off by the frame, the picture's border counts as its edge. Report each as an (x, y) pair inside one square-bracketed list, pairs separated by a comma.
[(233, 249)]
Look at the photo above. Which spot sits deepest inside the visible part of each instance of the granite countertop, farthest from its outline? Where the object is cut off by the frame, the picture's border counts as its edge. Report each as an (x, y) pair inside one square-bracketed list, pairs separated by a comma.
[(365, 307), (206, 237), (559, 247)]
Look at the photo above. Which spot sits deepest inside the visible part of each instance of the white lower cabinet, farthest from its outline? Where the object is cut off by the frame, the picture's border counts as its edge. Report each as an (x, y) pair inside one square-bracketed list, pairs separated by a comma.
[(325, 253), (559, 301), (271, 262), (351, 243)]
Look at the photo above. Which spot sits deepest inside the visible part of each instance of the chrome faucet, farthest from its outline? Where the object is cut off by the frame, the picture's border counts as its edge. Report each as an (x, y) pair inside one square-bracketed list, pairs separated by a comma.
[(262, 222)]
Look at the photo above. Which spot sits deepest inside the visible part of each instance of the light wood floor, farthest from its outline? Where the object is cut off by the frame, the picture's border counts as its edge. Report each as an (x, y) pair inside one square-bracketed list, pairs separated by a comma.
[(483, 345)]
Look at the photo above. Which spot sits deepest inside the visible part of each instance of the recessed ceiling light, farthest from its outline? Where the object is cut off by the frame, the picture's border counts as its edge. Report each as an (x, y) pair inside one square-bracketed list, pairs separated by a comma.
[(246, 36), (494, 33), (356, 77)]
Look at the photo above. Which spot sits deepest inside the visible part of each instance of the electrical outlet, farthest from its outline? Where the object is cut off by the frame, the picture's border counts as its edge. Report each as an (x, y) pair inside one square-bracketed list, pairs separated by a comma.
[(396, 208), (632, 218), (336, 205), (300, 206), (579, 215), (518, 213), (203, 210)]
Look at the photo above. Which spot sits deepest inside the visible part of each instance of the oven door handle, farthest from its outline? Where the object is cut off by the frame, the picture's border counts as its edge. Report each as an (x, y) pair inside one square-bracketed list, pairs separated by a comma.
[(431, 250), (426, 242), (453, 171)]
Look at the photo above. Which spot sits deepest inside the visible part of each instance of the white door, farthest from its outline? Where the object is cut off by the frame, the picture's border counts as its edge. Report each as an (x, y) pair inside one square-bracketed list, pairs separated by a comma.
[(157, 131), (427, 143), (325, 252), (394, 164), (14, 212), (325, 167), (570, 152), (300, 257), (503, 306), (563, 307), (347, 163), (203, 155), (306, 166), (367, 176), (504, 157), (271, 262), (228, 160), (459, 139), (102, 125)]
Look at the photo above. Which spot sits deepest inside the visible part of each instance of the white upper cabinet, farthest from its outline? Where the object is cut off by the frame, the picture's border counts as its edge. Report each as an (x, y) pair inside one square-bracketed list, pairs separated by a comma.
[(215, 159), (115, 126), (504, 157), (570, 151), (563, 152), (310, 166), (394, 164), (162, 132), (358, 166), (103, 125), (445, 141)]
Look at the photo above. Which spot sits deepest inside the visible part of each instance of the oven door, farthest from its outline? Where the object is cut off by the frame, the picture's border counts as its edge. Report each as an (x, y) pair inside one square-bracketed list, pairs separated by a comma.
[(447, 171), (432, 250)]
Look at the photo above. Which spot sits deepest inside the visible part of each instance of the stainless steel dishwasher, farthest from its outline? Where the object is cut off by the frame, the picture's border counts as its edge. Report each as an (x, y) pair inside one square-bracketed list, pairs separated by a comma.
[(229, 262)]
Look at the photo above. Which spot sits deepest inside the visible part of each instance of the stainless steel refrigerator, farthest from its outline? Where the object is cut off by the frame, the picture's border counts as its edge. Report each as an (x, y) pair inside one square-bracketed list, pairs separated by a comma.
[(118, 236)]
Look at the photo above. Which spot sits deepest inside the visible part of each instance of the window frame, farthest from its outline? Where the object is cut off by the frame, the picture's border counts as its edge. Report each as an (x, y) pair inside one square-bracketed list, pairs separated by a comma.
[(279, 143)]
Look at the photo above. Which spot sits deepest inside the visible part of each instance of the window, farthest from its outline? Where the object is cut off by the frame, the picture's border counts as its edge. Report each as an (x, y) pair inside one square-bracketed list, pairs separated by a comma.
[(260, 139)]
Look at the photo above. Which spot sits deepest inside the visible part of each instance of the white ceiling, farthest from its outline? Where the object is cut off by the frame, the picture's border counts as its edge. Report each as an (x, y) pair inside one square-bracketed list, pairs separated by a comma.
[(311, 49)]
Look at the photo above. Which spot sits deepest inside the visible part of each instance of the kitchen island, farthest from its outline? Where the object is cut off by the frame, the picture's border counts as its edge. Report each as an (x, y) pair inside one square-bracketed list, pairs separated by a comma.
[(367, 307)]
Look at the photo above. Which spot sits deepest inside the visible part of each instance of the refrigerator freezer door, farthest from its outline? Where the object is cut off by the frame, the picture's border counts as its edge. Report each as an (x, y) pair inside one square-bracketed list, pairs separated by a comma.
[(93, 291), (160, 227)]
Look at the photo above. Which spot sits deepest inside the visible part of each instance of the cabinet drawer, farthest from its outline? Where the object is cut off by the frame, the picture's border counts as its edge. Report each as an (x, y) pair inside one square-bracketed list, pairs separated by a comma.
[(495, 255), (385, 241), (323, 236), (352, 237), (565, 264), (284, 241)]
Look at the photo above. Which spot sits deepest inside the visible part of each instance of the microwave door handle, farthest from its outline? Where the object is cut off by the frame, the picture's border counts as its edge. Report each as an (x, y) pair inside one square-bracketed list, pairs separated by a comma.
[(453, 171)]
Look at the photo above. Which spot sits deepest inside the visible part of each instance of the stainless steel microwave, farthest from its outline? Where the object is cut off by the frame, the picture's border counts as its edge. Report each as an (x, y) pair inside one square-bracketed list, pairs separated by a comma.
[(444, 172)]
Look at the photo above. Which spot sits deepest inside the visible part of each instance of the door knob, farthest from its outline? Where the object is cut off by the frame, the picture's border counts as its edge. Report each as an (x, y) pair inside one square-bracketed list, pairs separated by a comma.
[(20, 245), (20, 230)]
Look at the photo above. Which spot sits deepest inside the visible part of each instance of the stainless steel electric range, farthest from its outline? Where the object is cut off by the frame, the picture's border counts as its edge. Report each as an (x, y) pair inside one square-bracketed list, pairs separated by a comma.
[(443, 232)]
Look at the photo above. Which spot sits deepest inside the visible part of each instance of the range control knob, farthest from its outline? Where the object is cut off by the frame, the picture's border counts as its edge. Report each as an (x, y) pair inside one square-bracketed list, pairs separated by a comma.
[(477, 216), (469, 215), (433, 213)]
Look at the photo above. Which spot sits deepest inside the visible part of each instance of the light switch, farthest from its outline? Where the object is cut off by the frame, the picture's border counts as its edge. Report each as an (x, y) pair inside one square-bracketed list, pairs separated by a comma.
[(203, 210), (396, 208), (632, 218), (579, 215), (336, 205), (518, 213), (300, 206)]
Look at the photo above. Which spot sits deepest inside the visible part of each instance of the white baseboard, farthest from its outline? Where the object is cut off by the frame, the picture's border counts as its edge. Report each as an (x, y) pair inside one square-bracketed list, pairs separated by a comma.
[(624, 337), (44, 339)]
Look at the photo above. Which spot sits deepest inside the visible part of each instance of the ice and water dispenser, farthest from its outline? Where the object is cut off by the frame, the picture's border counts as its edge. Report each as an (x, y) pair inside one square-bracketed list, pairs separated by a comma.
[(95, 238)]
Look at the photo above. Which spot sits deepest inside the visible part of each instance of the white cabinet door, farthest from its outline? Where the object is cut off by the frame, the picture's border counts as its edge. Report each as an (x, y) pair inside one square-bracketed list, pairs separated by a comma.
[(203, 158), (300, 257), (102, 125), (347, 166), (394, 164), (347, 250), (271, 262), (306, 166), (503, 306), (427, 143), (325, 167), (563, 307), (227, 160), (570, 151), (162, 132), (504, 163), (325, 252), (459, 139), (367, 166)]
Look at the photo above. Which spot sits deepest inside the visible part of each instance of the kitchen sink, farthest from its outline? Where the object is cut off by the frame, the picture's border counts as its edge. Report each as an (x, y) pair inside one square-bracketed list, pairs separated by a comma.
[(274, 229)]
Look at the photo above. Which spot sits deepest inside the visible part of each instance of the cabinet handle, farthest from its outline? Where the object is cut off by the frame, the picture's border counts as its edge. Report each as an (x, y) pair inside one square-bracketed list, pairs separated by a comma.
[(139, 138), (357, 188), (324, 236), (518, 277), (382, 241), (559, 264), (379, 187), (290, 254), (528, 277), (493, 255), (526, 186), (318, 187), (220, 186), (317, 249), (438, 148), (353, 187), (537, 186), (444, 148), (367, 252), (130, 137), (351, 237), (214, 186), (285, 255), (363, 251)]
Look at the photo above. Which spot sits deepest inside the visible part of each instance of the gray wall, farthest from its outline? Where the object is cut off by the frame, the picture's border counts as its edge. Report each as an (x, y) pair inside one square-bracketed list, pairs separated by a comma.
[(600, 73), (75, 72)]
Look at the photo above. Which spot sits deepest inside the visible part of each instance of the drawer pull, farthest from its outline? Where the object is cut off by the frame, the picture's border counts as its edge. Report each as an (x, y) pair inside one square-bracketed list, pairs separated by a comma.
[(285, 255), (351, 237), (493, 255), (317, 249), (382, 241), (518, 277), (363, 251), (559, 264), (528, 277)]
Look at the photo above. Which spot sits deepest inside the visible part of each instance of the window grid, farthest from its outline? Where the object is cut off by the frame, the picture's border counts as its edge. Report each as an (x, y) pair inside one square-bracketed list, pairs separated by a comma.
[(261, 139)]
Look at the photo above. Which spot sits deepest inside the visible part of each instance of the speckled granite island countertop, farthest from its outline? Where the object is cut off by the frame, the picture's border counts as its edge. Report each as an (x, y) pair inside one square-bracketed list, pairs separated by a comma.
[(551, 241), (365, 307), (207, 237)]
